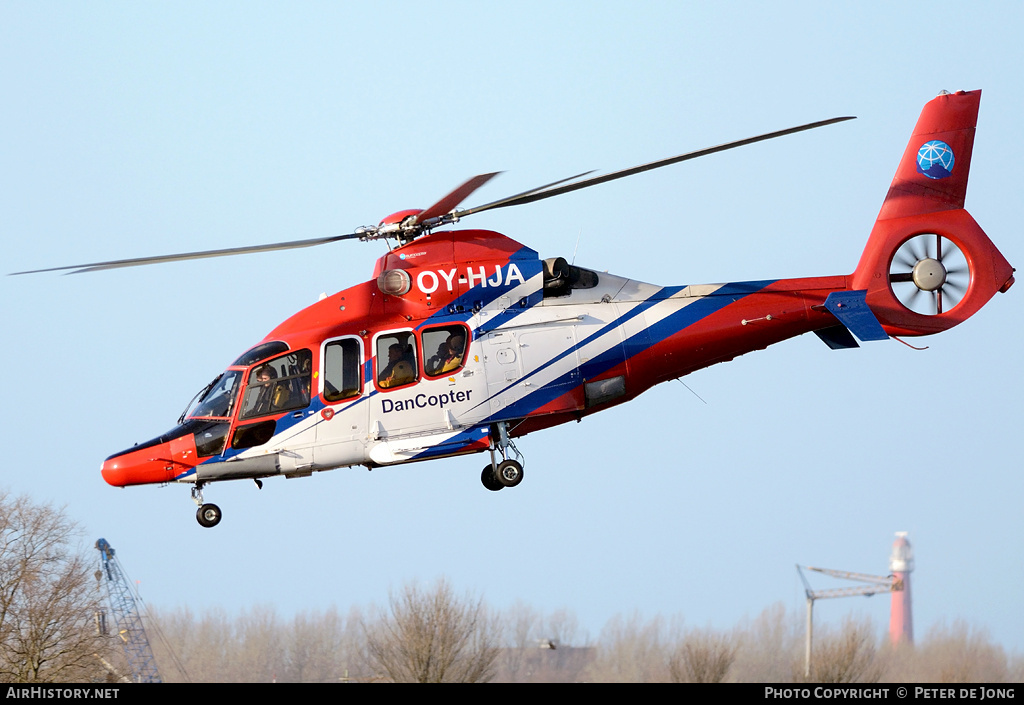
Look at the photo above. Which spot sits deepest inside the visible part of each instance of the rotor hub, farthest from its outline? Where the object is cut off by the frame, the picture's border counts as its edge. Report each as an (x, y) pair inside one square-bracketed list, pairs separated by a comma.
[(929, 274)]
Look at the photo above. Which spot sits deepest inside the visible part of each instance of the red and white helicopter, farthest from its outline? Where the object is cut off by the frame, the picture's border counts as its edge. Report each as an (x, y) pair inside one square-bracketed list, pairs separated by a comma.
[(465, 340)]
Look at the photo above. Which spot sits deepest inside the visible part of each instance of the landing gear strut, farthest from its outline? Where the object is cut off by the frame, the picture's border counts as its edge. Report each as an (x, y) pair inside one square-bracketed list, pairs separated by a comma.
[(208, 515), (505, 473)]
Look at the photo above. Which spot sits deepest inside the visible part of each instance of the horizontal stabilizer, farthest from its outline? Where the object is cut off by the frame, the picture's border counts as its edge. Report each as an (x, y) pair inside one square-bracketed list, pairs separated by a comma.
[(851, 308), (837, 338)]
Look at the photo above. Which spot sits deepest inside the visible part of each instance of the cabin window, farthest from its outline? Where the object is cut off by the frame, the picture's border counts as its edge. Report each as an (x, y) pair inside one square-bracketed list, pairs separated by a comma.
[(281, 384), (446, 347), (396, 360), (341, 369)]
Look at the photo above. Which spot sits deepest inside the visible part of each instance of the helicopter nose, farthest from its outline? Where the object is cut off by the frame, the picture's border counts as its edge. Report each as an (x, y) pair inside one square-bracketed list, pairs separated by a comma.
[(139, 466)]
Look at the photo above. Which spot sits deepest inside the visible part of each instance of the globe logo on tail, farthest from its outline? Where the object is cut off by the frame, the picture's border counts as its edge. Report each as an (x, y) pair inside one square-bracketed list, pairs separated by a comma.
[(935, 159)]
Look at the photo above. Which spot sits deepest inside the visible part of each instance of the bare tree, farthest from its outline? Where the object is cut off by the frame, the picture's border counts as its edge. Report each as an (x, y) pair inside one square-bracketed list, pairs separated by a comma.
[(433, 637), (562, 627), (48, 599), (770, 648), (324, 647), (415, 632), (541, 650), (631, 651), (954, 653), (703, 656), (521, 623), (847, 657), (259, 645)]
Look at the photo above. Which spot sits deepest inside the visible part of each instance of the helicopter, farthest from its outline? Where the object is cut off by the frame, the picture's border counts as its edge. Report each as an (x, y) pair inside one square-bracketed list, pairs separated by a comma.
[(465, 340)]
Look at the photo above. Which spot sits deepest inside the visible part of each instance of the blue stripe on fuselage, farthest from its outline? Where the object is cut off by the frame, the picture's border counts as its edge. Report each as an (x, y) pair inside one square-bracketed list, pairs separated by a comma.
[(635, 344), (641, 307)]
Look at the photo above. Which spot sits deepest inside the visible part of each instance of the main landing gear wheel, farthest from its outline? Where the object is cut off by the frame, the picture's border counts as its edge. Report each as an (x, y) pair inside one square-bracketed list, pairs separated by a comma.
[(208, 515), (509, 473), (490, 481)]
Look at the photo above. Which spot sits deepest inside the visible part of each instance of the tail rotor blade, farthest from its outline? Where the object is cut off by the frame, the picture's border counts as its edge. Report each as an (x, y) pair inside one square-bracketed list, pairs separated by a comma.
[(902, 258)]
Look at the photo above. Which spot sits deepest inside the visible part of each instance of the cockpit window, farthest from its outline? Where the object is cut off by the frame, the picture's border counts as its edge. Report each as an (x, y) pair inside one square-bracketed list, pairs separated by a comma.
[(218, 399), (279, 385), (260, 352)]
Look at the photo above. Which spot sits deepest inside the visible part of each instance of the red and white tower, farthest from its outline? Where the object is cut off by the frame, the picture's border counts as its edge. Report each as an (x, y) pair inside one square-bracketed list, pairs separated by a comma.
[(901, 563)]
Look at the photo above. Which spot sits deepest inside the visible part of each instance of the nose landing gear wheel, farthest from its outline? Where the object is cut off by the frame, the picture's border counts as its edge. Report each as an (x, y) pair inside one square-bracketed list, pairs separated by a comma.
[(510, 473), (490, 481), (208, 515)]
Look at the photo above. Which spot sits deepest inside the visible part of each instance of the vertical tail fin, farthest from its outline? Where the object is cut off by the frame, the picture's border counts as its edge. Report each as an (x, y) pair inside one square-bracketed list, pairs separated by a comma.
[(927, 265), (932, 175)]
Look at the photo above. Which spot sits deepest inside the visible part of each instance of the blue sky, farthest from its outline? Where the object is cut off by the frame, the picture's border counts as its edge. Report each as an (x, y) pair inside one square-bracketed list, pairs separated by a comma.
[(137, 129)]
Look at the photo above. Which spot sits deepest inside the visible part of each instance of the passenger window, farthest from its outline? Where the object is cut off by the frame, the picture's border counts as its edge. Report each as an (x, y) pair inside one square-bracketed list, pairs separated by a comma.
[(447, 349), (396, 360), (279, 385), (342, 379)]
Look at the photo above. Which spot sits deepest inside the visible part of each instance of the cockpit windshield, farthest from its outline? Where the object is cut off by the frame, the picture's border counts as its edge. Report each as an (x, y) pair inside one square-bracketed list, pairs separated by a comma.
[(217, 401)]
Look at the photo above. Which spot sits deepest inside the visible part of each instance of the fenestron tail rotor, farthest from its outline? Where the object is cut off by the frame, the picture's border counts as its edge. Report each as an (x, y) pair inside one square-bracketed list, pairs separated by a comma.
[(929, 274), (412, 224)]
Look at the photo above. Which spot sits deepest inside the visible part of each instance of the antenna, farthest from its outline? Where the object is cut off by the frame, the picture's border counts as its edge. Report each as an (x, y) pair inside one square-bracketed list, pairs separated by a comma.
[(578, 236)]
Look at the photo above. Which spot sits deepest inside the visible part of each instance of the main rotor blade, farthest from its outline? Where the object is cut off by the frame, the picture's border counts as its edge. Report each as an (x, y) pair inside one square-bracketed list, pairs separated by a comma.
[(508, 200), (443, 207), (540, 194), (140, 261), (447, 204)]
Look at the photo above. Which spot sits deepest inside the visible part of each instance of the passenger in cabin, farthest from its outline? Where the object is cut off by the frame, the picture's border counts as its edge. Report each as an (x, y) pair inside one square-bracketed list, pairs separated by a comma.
[(394, 357), (456, 349), (401, 374), (399, 370), (436, 362)]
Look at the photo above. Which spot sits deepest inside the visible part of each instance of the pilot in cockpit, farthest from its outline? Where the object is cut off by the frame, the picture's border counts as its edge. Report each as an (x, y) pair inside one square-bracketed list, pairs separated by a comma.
[(271, 396)]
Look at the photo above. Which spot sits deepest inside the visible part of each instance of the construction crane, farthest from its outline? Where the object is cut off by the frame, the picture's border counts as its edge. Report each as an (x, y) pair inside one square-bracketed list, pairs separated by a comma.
[(127, 621), (875, 584)]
